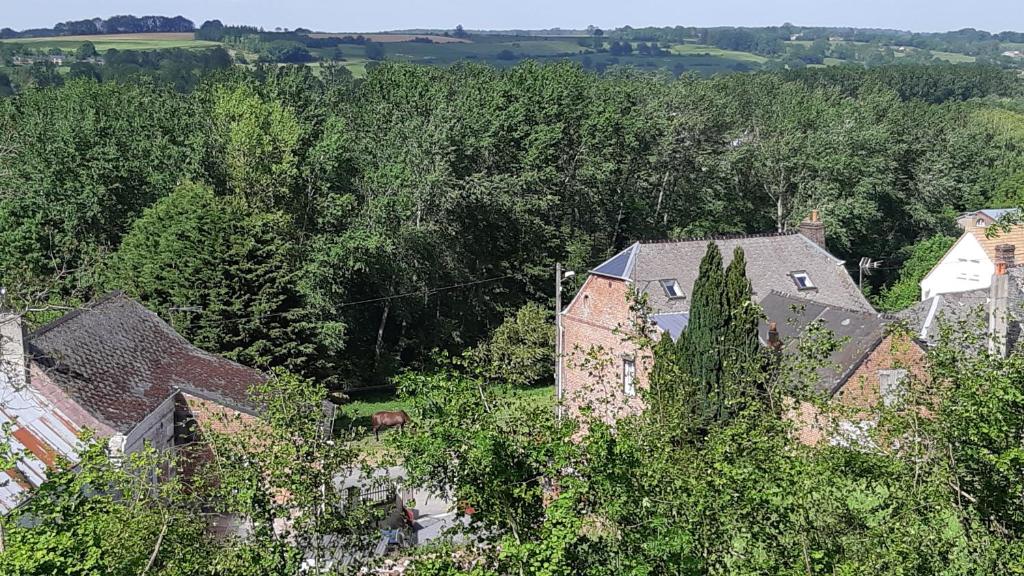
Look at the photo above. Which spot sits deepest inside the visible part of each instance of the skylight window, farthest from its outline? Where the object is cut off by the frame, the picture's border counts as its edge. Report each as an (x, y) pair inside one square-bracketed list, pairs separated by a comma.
[(802, 280), (672, 289)]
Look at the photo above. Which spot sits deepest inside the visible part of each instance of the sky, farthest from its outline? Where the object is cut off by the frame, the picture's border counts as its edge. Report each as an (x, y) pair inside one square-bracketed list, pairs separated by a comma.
[(380, 15)]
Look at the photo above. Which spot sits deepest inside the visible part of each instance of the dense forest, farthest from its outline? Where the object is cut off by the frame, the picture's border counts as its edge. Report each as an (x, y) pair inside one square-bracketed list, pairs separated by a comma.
[(346, 229)]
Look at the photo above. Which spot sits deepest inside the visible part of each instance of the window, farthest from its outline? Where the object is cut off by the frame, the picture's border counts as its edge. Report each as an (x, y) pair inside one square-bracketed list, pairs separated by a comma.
[(890, 385), (980, 223), (629, 376), (802, 280), (672, 289)]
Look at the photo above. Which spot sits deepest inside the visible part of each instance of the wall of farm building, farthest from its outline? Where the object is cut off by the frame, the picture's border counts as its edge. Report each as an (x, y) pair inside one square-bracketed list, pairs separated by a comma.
[(861, 394), (595, 347), (157, 429)]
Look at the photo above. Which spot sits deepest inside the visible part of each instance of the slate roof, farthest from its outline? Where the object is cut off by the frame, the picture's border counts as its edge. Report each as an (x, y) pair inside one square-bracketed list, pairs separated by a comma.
[(120, 361), (674, 323), (860, 333), (770, 261), (970, 308)]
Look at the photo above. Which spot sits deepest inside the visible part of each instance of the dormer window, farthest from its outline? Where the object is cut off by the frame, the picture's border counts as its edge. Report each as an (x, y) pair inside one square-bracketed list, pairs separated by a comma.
[(802, 280), (980, 223), (672, 289)]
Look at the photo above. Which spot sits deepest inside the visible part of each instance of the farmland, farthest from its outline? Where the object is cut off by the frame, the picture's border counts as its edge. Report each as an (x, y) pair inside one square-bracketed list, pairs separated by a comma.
[(104, 42)]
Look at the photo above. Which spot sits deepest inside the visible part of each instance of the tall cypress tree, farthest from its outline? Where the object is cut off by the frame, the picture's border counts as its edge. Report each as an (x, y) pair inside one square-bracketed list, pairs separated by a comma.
[(700, 348), (741, 336), (718, 355), (744, 356)]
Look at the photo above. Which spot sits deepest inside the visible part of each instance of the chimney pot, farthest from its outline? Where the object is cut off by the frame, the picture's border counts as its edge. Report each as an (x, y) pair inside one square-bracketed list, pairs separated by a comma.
[(1005, 253), (774, 342), (814, 229)]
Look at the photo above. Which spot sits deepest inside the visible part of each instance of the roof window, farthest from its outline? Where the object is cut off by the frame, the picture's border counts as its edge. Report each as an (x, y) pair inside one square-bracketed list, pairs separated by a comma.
[(802, 280), (672, 289), (980, 223)]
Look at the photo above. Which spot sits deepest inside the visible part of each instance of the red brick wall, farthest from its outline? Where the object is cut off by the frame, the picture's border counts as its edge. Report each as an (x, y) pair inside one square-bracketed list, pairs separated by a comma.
[(861, 393), (896, 351), (596, 328)]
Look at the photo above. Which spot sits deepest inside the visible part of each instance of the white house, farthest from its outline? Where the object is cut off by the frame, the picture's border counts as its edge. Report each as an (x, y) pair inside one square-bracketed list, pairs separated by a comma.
[(971, 262)]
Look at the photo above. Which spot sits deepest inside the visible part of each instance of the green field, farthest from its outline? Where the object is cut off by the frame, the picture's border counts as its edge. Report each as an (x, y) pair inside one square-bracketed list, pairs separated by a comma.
[(104, 42), (698, 49), (954, 57)]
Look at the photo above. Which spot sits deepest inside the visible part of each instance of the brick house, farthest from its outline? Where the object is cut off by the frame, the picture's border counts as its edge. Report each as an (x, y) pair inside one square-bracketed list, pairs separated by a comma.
[(795, 279), (601, 367), (117, 369)]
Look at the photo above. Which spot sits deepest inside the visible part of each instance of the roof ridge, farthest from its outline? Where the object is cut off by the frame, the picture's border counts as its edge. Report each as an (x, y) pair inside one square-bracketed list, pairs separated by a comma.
[(720, 237), (87, 307), (880, 315)]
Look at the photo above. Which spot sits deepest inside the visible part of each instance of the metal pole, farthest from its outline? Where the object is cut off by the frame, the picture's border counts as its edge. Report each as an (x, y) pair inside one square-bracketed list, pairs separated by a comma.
[(558, 339)]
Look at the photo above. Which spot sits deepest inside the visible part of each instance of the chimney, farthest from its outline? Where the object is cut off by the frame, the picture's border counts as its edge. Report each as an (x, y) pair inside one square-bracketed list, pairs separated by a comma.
[(1005, 254), (814, 229), (774, 342), (999, 310), (12, 350)]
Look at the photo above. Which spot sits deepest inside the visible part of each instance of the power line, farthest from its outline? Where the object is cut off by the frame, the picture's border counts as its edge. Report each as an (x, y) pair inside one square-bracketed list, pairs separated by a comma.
[(424, 293)]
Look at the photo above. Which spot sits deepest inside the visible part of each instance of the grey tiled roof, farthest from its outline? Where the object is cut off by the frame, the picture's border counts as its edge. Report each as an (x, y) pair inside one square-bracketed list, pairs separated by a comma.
[(969, 308), (770, 261), (119, 361), (860, 332)]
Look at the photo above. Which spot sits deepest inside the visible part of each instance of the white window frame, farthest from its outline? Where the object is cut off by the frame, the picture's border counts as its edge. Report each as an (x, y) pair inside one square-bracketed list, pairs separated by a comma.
[(629, 377), (807, 283), (672, 289), (980, 223)]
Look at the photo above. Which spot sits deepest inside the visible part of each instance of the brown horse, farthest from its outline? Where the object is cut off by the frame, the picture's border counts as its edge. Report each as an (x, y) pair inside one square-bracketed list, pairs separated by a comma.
[(387, 420)]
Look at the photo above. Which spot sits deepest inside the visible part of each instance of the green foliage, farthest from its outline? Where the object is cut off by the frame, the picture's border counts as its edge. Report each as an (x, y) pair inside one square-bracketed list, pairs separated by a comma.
[(923, 256), (520, 351), (101, 517), (642, 497), (225, 276)]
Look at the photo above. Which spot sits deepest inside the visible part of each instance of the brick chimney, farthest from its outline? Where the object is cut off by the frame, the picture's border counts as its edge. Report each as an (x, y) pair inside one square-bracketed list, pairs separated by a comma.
[(12, 350), (1005, 254), (999, 311), (774, 342), (814, 229)]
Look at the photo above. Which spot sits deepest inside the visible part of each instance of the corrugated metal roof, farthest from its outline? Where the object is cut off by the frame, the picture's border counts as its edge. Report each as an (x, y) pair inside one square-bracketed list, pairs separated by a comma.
[(40, 435)]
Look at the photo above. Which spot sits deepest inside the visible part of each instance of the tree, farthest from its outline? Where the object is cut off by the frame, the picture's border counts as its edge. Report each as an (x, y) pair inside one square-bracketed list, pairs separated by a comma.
[(104, 517), (225, 276), (85, 51), (922, 257), (374, 50), (520, 351)]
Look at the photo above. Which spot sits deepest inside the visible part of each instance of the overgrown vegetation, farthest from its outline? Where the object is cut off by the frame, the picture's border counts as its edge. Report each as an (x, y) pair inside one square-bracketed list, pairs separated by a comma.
[(349, 229)]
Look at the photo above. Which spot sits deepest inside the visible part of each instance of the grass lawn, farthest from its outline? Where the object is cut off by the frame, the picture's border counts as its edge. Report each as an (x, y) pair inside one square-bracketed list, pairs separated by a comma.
[(356, 414), (104, 42), (697, 49)]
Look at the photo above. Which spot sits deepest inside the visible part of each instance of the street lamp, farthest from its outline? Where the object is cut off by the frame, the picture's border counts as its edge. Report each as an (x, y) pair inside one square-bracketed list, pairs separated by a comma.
[(560, 278)]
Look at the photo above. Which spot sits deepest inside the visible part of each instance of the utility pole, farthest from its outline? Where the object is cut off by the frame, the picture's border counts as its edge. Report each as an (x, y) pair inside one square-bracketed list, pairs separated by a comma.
[(558, 340), (559, 279)]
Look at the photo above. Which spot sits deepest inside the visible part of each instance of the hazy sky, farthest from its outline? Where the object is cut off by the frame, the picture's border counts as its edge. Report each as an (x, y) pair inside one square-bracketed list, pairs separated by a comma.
[(375, 15)]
